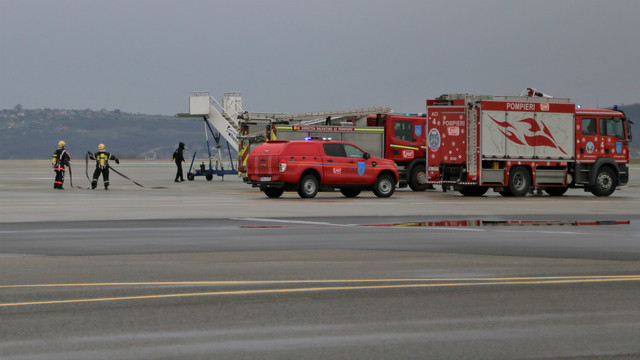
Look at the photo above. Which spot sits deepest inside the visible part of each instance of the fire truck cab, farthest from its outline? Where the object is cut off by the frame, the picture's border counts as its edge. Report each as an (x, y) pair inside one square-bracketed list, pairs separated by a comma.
[(518, 144)]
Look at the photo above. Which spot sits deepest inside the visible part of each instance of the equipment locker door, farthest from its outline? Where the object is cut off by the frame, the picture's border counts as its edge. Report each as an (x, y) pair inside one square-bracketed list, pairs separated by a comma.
[(446, 137)]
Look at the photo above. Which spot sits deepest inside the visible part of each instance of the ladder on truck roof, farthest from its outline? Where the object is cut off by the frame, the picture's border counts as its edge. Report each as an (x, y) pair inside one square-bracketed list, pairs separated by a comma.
[(313, 116)]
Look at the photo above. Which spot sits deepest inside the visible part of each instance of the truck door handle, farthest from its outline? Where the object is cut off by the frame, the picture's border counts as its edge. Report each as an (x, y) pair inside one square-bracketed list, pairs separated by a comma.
[(329, 160), (351, 162)]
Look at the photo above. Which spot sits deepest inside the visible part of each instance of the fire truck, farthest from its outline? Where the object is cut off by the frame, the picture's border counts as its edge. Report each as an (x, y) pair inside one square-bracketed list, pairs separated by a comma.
[(400, 138), (520, 144)]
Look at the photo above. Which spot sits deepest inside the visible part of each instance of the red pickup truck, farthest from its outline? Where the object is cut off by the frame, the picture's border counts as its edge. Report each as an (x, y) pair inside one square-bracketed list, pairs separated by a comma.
[(319, 165)]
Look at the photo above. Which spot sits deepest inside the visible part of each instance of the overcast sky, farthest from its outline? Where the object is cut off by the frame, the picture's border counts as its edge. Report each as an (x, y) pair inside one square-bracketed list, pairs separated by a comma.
[(296, 56)]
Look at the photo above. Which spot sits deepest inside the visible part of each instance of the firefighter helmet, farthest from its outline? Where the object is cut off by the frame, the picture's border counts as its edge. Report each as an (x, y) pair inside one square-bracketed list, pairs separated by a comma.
[(101, 147), (61, 144)]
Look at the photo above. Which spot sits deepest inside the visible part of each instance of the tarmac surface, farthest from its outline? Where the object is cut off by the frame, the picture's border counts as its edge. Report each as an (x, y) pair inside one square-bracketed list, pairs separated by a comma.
[(215, 269), (27, 194)]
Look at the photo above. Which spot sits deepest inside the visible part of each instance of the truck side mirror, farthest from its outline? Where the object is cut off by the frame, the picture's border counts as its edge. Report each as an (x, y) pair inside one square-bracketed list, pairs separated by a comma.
[(366, 155)]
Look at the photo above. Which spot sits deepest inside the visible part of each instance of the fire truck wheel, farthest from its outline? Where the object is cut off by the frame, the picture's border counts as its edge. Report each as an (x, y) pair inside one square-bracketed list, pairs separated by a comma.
[(556, 191), (519, 181), (308, 186), (474, 190), (418, 178), (350, 192), (605, 182), (385, 186), (273, 192)]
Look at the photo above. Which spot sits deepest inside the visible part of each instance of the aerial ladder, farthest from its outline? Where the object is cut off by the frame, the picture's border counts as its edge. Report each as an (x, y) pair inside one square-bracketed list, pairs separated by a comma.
[(227, 119)]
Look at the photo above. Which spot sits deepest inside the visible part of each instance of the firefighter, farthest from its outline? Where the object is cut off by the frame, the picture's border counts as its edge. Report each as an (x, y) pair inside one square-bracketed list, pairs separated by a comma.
[(58, 161), (102, 158), (178, 157)]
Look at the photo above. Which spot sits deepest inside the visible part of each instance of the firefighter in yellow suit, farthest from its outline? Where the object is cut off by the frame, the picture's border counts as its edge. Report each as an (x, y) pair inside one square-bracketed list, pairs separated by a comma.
[(102, 158)]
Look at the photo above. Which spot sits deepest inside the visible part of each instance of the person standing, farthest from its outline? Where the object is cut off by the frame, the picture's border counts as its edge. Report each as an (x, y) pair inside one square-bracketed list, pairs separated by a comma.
[(102, 158), (178, 157), (59, 160)]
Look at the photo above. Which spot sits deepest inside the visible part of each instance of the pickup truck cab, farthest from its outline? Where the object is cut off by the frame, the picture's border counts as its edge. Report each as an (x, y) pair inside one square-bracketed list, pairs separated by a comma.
[(319, 165)]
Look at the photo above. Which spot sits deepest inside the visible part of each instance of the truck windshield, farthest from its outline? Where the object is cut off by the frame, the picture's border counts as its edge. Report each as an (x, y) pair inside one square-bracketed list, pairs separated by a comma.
[(612, 127)]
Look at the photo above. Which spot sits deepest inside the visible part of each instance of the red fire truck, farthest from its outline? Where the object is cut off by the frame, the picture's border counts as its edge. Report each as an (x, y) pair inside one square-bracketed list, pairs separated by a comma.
[(519, 144), (400, 138)]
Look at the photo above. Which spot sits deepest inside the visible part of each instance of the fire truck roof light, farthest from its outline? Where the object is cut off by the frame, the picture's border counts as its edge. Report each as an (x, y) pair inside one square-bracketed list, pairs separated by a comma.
[(579, 106), (309, 138)]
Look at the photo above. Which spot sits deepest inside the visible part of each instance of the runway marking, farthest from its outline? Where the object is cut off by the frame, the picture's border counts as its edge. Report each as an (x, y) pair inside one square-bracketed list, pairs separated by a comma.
[(447, 283)]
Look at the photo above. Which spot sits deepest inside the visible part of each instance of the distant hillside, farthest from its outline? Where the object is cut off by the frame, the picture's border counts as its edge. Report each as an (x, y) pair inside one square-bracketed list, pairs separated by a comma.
[(34, 134)]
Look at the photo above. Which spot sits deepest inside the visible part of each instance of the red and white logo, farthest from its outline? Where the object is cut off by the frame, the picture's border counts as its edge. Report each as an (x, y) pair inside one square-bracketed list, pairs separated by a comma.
[(453, 131), (408, 154), (337, 171), (544, 107)]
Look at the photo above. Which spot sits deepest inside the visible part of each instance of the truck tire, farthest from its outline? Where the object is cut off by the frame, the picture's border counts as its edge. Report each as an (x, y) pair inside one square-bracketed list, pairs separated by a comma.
[(308, 186), (385, 186), (273, 192), (418, 178), (556, 191), (350, 192), (605, 183), (519, 181), (474, 190)]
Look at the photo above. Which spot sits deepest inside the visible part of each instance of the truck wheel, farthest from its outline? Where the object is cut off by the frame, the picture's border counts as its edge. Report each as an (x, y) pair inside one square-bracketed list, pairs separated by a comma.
[(308, 186), (519, 181), (605, 182), (350, 192), (474, 190), (273, 192), (556, 191), (385, 186), (418, 178)]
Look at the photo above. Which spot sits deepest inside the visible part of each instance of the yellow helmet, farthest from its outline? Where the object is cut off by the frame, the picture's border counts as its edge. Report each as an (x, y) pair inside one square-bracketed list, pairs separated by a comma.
[(61, 144), (101, 147)]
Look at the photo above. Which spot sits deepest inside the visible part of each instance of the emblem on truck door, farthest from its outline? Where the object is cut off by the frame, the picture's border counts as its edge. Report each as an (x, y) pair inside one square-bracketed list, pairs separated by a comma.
[(361, 168), (434, 139)]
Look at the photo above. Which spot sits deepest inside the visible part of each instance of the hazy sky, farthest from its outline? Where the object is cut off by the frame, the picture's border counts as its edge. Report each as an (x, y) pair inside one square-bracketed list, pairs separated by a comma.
[(294, 56)]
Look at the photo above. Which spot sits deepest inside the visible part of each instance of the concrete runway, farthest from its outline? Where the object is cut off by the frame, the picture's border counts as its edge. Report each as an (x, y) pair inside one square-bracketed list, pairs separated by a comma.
[(217, 270)]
